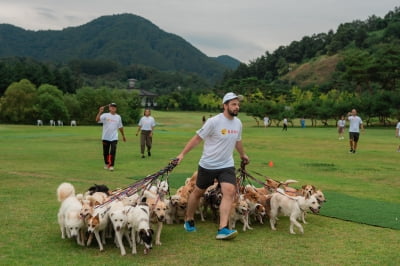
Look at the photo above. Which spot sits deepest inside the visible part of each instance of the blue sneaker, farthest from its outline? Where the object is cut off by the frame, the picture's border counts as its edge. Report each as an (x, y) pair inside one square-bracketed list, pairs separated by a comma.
[(225, 234), (189, 226)]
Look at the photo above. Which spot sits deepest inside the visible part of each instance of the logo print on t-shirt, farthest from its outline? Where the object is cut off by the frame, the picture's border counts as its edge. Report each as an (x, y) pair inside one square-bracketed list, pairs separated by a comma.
[(224, 131)]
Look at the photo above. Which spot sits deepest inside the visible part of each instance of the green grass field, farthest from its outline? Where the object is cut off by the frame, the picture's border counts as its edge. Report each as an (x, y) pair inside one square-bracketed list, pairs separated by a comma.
[(34, 161)]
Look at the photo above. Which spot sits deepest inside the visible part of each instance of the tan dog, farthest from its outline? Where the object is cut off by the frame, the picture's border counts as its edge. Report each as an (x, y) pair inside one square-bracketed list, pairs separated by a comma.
[(239, 211), (158, 210)]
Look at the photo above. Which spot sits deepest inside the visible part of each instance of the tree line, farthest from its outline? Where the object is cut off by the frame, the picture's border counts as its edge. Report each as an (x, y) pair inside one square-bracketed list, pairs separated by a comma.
[(24, 103)]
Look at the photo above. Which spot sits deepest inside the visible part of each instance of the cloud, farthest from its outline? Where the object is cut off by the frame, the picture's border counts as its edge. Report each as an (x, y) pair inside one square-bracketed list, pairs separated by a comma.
[(242, 29)]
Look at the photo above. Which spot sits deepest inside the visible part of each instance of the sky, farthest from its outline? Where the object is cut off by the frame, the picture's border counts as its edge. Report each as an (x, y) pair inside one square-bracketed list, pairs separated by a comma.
[(243, 29)]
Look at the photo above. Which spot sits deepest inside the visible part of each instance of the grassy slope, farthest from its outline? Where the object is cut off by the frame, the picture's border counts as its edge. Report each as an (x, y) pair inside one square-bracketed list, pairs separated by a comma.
[(316, 71), (34, 161)]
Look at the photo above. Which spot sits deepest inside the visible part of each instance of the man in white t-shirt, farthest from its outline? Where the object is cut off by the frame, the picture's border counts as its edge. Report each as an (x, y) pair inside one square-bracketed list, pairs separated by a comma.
[(354, 129), (145, 126), (111, 123), (221, 135), (398, 133)]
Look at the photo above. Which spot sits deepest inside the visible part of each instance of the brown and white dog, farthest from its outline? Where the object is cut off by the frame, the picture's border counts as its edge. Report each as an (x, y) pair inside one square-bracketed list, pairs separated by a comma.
[(97, 223), (239, 211)]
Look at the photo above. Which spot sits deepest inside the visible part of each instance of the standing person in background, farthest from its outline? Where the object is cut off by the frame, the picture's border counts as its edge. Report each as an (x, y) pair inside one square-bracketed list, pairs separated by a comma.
[(302, 122), (341, 123), (111, 123), (146, 126), (398, 133), (266, 121), (354, 129), (222, 134), (284, 124)]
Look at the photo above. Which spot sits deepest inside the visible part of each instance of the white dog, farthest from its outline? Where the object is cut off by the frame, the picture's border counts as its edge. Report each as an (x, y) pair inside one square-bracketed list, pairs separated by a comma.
[(118, 218), (292, 207), (138, 222), (69, 219)]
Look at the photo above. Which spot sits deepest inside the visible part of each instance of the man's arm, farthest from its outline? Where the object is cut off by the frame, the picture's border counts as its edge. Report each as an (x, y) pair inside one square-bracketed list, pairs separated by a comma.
[(101, 110), (193, 142), (240, 149), (121, 129)]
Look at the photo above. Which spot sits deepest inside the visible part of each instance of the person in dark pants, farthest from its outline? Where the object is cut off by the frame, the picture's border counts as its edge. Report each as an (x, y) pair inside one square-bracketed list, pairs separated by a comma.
[(146, 126), (111, 124), (222, 134), (285, 122)]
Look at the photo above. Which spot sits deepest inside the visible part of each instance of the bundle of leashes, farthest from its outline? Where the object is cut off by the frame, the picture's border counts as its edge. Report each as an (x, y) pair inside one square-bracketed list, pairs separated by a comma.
[(243, 176), (142, 183)]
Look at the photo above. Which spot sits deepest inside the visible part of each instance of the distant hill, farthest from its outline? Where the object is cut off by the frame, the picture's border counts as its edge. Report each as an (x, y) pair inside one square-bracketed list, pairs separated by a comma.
[(126, 39), (228, 61)]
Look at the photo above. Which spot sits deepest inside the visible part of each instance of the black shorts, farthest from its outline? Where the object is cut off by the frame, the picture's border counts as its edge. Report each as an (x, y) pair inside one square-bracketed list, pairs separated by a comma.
[(206, 177), (354, 136)]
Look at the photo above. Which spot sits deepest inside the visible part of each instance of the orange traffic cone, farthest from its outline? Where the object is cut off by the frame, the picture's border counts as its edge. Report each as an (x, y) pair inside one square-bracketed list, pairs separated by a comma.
[(271, 164)]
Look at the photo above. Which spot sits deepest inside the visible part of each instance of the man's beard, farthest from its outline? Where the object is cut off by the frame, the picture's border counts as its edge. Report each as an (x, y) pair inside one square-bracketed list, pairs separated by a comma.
[(233, 113)]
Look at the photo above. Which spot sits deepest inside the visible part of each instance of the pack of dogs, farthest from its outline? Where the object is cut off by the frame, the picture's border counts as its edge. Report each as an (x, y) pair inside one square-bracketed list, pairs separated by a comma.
[(131, 220)]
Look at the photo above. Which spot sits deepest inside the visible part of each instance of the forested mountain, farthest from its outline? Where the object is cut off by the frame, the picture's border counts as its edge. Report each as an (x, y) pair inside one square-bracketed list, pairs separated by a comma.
[(124, 39), (325, 75), (360, 54)]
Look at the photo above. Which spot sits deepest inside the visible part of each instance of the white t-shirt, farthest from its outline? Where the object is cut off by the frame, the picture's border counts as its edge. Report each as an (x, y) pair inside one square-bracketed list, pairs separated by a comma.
[(220, 135), (266, 120), (355, 122), (111, 124), (341, 123), (398, 127), (147, 123)]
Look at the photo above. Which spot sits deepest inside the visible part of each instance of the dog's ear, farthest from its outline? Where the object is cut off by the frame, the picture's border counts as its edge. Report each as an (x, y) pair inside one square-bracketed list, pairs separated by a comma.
[(151, 231), (313, 187), (304, 186)]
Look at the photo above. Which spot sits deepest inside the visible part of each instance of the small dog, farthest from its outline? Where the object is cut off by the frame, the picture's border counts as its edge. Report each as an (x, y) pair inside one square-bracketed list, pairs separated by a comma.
[(118, 218), (239, 211), (158, 210), (97, 223), (138, 221), (212, 198), (320, 198), (71, 223), (292, 207), (99, 188)]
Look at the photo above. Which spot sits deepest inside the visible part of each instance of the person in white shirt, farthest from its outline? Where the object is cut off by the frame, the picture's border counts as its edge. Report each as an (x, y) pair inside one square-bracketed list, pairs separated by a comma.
[(341, 123), (398, 133), (221, 135), (145, 127), (112, 122), (266, 121), (285, 122), (354, 129)]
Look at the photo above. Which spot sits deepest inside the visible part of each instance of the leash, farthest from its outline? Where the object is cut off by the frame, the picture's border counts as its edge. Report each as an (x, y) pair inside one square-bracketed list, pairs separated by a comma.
[(141, 184), (243, 174)]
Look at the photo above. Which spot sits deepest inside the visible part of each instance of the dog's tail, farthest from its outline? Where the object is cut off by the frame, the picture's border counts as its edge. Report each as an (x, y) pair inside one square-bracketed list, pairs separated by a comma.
[(64, 191)]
